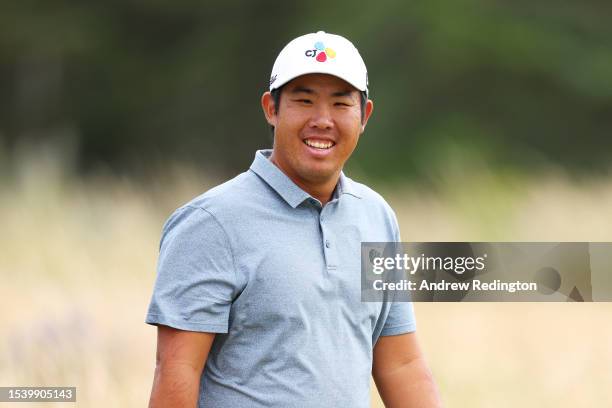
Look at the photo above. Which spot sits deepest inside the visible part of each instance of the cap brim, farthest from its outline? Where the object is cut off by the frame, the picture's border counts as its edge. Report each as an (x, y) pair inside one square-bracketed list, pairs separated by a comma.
[(291, 76)]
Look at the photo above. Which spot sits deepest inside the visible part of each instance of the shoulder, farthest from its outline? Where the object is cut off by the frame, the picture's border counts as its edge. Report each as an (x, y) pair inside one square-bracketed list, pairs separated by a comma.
[(369, 197), (217, 204), (228, 194), (229, 197), (377, 210)]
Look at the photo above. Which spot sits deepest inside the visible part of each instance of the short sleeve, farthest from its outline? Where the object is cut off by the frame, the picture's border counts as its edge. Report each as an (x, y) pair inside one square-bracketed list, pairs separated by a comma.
[(196, 280), (400, 319)]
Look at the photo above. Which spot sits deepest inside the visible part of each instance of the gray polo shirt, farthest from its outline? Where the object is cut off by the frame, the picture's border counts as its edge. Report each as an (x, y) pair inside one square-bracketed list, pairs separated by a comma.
[(260, 262)]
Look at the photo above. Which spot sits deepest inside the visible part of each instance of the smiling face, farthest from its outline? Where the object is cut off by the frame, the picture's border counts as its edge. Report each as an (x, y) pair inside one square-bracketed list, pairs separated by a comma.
[(317, 126)]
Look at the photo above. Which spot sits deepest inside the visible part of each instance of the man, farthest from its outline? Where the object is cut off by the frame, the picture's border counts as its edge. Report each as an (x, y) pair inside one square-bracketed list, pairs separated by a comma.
[(257, 298)]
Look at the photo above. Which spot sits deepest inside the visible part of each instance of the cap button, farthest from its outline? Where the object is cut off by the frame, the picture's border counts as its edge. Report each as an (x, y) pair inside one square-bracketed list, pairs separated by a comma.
[(320, 32)]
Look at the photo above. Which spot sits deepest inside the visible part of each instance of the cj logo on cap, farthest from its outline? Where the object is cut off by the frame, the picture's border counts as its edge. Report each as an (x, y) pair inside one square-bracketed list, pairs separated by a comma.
[(320, 52)]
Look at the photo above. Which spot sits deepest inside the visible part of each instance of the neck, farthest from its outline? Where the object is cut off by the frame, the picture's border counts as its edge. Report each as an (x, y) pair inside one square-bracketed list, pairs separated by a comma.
[(322, 190)]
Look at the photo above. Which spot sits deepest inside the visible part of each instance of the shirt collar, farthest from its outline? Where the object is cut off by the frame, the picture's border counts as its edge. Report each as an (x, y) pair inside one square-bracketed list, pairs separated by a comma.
[(284, 186), (346, 186)]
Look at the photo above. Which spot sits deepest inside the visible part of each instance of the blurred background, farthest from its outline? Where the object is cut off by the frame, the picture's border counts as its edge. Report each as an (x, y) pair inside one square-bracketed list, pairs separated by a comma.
[(492, 122)]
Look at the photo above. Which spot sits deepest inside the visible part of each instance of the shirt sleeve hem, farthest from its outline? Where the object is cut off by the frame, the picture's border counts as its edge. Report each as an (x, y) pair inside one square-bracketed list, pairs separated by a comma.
[(155, 319), (394, 331)]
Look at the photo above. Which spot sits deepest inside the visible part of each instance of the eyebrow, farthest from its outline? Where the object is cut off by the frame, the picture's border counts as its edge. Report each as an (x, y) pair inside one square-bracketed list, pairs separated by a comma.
[(301, 89), (343, 93)]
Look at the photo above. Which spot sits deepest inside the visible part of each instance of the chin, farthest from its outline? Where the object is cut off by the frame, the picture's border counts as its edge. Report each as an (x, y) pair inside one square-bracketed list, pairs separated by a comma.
[(318, 174)]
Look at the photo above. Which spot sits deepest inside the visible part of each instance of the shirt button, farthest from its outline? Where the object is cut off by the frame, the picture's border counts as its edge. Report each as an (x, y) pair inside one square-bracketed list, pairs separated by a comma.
[(327, 243)]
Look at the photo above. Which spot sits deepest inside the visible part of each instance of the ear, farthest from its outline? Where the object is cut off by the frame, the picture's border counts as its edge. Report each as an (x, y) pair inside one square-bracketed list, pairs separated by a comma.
[(267, 104), (369, 107)]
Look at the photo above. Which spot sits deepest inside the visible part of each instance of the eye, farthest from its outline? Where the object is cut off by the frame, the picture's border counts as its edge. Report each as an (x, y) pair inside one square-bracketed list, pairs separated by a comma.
[(341, 104), (306, 101)]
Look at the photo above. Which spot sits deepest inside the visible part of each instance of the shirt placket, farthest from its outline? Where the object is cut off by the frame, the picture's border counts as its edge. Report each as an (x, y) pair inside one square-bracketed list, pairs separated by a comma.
[(328, 237)]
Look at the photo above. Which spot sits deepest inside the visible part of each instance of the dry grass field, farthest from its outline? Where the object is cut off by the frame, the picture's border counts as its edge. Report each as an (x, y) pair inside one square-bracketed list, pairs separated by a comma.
[(77, 265)]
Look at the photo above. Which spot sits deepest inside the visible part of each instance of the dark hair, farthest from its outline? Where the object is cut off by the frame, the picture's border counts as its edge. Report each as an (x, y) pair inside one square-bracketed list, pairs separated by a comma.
[(276, 95)]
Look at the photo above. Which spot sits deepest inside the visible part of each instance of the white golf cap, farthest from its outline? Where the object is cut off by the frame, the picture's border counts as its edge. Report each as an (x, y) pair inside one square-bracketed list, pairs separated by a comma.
[(320, 53)]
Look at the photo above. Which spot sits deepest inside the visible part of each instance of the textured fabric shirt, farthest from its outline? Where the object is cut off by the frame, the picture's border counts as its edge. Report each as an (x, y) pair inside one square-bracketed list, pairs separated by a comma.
[(278, 277)]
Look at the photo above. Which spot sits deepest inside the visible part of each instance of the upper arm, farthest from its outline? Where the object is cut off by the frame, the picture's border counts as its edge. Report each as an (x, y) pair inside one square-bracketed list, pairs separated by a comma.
[(193, 294), (181, 348), (181, 356), (392, 352), (401, 374)]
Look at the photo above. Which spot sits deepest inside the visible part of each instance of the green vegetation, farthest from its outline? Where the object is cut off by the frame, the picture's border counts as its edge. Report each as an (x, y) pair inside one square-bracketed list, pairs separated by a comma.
[(516, 84)]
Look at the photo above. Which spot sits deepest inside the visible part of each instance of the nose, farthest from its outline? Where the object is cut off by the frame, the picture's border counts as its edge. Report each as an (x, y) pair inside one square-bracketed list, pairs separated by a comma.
[(321, 117)]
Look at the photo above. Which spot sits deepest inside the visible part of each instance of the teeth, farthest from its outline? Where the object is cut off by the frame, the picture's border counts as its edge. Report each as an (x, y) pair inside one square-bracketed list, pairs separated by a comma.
[(319, 145)]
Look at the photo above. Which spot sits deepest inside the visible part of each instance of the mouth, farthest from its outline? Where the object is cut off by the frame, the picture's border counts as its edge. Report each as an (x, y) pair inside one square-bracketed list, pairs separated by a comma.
[(319, 144)]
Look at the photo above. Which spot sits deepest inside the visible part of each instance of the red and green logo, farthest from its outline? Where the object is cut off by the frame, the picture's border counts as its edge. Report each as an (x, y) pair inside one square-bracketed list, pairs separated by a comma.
[(320, 52)]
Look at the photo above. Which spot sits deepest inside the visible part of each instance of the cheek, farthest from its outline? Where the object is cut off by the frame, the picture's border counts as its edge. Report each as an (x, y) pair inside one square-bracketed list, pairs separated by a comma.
[(351, 126), (291, 121), (351, 119), (287, 126)]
